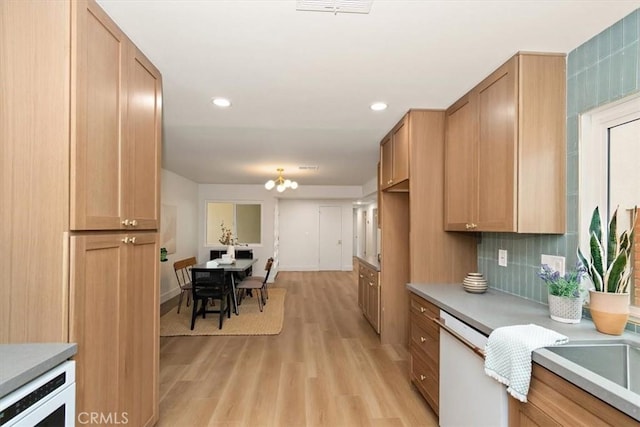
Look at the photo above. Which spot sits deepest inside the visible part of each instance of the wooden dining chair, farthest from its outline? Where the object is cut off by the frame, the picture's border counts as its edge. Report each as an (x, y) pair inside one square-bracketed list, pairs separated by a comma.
[(254, 283), (182, 268)]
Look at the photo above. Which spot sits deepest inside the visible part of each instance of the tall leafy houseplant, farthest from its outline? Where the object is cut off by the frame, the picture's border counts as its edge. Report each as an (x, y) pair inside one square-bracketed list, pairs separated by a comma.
[(609, 268)]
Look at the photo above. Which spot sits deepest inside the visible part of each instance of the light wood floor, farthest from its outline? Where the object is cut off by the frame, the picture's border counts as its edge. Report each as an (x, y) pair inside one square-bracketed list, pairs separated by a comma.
[(326, 368)]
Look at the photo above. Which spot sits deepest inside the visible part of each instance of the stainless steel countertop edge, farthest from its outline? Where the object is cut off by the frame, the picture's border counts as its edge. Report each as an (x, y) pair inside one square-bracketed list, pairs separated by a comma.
[(493, 309), (22, 363)]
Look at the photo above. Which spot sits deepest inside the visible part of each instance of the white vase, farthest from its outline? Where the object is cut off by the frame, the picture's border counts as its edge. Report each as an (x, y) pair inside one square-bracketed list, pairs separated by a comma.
[(231, 251), (565, 309)]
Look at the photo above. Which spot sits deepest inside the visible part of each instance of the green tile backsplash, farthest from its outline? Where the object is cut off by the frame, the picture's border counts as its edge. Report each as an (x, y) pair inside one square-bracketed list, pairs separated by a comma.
[(599, 71)]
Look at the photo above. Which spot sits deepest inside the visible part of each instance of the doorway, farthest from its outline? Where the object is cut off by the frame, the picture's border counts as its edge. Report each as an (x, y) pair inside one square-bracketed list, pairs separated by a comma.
[(330, 239)]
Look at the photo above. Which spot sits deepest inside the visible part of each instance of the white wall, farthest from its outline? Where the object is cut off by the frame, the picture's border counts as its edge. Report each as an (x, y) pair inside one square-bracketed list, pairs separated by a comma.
[(182, 193), (299, 239), (370, 188)]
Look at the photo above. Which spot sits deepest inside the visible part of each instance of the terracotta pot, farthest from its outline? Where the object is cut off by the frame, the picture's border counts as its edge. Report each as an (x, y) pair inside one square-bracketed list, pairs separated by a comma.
[(609, 311)]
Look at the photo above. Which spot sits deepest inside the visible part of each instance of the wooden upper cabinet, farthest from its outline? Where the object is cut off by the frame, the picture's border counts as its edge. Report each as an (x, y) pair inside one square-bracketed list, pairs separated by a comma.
[(394, 158), (143, 130), (497, 140), (116, 105), (400, 137), (386, 162), (506, 150), (98, 58), (460, 158)]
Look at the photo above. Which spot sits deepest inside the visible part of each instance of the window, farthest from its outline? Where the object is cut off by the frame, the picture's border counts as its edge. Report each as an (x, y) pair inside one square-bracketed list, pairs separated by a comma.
[(244, 220), (609, 149)]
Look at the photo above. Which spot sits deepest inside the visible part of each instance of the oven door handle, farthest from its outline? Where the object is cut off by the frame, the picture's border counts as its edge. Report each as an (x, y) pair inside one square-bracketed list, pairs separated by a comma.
[(477, 350)]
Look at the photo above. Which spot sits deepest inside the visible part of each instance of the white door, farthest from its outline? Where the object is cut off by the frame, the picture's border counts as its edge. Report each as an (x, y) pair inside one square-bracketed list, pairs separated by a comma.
[(330, 252)]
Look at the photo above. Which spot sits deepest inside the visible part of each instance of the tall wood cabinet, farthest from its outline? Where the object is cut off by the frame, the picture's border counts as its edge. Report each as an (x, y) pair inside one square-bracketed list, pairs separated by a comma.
[(505, 150), (113, 281), (115, 151), (80, 199), (414, 245)]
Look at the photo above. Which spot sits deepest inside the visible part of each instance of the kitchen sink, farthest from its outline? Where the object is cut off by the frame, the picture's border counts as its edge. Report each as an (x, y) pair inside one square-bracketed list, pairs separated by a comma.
[(618, 361)]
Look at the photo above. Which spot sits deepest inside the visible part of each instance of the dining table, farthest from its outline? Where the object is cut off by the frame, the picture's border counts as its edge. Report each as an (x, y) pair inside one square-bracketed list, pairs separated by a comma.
[(236, 267)]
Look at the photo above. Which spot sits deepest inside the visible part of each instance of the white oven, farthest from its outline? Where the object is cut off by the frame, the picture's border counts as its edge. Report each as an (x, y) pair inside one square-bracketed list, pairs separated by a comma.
[(48, 400)]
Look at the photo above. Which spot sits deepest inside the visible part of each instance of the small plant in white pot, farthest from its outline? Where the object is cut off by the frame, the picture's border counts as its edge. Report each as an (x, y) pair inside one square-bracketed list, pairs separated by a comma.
[(609, 268), (565, 293)]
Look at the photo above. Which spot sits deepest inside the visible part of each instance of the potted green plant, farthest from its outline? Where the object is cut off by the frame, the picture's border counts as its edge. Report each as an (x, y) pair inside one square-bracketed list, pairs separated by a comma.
[(609, 269), (565, 293)]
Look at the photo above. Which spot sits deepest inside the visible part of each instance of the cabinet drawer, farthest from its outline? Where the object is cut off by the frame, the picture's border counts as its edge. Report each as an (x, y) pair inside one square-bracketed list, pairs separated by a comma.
[(422, 311), (373, 275), (368, 274), (428, 327), (425, 377), (424, 341)]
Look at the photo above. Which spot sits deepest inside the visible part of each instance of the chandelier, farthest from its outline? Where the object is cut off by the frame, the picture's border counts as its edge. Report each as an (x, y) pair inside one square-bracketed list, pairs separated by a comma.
[(280, 183)]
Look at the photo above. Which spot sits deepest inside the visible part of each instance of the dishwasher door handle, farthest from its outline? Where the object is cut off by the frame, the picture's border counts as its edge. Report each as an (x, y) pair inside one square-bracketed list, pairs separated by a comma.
[(477, 350)]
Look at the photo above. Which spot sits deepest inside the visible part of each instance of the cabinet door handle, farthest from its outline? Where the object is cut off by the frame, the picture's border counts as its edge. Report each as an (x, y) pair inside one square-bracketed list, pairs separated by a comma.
[(370, 284), (422, 309), (471, 226), (132, 240), (361, 276), (129, 240), (422, 377), (125, 223), (134, 222), (422, 339), (125, 240)]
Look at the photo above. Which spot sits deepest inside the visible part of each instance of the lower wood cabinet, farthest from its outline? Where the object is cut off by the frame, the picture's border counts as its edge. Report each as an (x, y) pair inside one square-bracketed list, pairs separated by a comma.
[(114, 318), (425, 350), (553, 401), (369, 294)]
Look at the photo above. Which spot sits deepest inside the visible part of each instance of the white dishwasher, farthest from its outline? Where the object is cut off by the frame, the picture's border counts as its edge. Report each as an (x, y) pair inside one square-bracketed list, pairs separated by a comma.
[(468, 397)]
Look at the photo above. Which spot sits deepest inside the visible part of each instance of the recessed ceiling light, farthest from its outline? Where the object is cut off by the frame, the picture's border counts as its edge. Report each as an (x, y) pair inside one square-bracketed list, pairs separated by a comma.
[(378, 106), (221, 102)]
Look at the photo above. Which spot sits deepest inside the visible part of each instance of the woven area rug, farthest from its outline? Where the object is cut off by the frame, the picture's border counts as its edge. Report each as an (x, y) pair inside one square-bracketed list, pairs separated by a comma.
[(250, 321)]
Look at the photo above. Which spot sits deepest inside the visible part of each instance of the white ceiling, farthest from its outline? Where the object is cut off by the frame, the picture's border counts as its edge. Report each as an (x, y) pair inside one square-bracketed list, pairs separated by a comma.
[(301, 82)]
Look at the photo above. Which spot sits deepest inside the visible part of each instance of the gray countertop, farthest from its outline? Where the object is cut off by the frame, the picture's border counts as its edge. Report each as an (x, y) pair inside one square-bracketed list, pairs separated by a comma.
[(494, 309), (371, 261), (20, 363)]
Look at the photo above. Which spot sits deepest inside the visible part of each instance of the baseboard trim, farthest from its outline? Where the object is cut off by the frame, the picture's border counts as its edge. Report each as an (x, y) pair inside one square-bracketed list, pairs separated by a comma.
[(172, 293)]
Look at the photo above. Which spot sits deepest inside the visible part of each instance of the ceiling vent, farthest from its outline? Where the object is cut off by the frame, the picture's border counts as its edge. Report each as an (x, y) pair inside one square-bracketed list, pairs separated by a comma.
[(335, 6), (308, 168)]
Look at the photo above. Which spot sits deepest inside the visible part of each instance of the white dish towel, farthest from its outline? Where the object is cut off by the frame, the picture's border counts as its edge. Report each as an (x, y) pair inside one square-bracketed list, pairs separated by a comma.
[(508, 355)]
